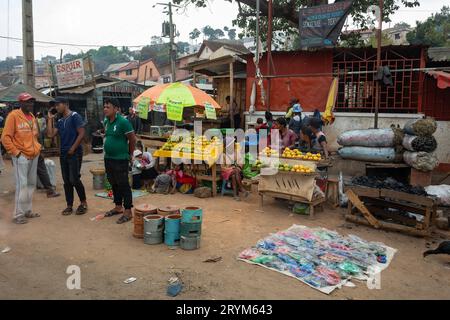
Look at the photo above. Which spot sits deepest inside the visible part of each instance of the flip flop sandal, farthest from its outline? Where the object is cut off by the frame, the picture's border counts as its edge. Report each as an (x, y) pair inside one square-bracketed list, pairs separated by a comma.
[(124, 219), (20, 220), (32, 215), (67, 212), (112, 213), (81, 210)]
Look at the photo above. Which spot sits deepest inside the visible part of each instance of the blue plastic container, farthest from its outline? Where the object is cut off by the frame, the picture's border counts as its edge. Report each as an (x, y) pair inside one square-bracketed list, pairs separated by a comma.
[(191, 214), (172, 230)]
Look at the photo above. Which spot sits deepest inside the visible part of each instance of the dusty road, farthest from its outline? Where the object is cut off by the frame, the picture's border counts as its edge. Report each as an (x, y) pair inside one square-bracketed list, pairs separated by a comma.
[(108, 254)]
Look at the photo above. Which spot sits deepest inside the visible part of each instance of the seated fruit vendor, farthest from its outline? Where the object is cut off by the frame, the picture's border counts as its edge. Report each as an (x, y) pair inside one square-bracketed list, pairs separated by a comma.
[(320, 143), (143, 170), (233, 175), (307, 139), (165, 184), (287, 136)]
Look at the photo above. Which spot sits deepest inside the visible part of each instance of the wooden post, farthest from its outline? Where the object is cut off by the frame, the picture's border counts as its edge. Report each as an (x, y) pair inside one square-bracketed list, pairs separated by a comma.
[(145, 76), (232, 95), (91, 69), (28, 43), (377, 85)]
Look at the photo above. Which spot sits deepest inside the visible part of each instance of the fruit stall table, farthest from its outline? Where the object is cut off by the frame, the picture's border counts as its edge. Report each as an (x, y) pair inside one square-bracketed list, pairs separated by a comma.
[(209, 159), (289, 179)]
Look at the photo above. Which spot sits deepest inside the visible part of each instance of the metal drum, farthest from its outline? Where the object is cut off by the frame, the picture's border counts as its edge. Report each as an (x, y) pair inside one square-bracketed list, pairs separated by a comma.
[(172, 230), (169, 210), (139, 213), (192, 214), (192, 229), (153, 229), (190, 243)]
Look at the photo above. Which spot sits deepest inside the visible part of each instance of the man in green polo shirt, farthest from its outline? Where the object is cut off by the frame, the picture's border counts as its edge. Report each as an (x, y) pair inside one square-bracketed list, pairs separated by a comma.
[(119, 146)]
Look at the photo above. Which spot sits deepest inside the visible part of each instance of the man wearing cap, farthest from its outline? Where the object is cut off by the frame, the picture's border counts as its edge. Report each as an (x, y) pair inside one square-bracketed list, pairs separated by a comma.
[(20, 139), (70, 127), (119, 147)]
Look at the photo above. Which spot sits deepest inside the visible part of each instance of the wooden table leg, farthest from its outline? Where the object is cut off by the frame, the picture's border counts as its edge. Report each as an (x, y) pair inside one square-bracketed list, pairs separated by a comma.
[(214, 182)]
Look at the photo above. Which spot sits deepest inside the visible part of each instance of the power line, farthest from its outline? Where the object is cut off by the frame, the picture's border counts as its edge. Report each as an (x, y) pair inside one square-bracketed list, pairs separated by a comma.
[(70, 44)]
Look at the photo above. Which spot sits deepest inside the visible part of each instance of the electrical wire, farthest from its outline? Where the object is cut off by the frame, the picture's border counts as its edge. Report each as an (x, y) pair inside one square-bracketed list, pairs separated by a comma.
[(69, 44)]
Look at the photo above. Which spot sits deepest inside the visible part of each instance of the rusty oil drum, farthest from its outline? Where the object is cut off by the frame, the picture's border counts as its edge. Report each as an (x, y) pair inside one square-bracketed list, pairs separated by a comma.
[(140, 212)]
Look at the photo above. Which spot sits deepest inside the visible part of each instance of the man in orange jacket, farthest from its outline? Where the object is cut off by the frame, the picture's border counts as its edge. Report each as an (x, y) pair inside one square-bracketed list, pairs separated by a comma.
[(20, 139)]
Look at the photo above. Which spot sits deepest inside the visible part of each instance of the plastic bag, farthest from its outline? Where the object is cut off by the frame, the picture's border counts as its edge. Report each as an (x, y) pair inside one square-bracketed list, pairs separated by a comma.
[(368, 138), (422, 161), (441, 192), (370, 154)]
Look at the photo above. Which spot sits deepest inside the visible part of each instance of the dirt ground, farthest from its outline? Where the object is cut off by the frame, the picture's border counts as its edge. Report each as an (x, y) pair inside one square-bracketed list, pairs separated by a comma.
[(107, 253)]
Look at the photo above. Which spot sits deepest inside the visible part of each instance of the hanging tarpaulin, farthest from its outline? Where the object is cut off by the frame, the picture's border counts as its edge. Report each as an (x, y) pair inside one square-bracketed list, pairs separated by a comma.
[(142, 108), (210, 112), (321, 26), (175, 110)]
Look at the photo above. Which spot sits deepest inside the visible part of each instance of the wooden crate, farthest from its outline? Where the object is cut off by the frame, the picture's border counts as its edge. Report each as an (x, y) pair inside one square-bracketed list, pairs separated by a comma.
[(370, 206), (288, 183)]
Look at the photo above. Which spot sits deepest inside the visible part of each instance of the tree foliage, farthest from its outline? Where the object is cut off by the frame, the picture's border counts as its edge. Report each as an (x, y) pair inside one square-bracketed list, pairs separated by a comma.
[(434, 32), (212, 34), (285, 13)]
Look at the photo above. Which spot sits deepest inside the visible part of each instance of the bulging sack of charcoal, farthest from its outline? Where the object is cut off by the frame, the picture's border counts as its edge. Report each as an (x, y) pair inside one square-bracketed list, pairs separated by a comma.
[(422, 161), (421, 127), (441, 192), (385, 155), (419, 143), (371, 138)]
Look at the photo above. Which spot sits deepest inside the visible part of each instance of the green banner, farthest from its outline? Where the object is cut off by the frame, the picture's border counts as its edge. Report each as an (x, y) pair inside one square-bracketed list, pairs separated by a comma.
[(142, 108), (175, 110), (210, 112)]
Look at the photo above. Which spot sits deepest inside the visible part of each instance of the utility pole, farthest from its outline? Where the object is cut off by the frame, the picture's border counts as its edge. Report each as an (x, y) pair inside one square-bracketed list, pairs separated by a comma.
[(173, 47), (28, 42)]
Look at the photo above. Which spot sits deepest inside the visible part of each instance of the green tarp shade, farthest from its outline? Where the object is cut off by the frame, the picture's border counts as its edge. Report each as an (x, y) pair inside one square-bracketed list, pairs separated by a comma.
[(11, 93)]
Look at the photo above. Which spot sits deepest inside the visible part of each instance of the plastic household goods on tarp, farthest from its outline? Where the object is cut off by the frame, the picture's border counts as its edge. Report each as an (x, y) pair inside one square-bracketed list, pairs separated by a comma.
[(323, 259)]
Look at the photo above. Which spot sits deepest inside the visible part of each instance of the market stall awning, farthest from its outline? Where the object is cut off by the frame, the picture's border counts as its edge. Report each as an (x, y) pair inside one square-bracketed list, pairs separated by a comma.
[(185, 94), (11, 93), (218, 67), (443, 78)]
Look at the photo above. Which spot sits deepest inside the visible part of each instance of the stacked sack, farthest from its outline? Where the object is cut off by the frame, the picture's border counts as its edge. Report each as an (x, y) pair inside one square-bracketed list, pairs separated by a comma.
[(420, 144), (373, 145)]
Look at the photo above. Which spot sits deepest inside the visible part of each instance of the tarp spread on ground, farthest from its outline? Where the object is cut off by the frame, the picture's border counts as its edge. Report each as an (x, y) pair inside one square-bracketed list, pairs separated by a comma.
[(321, 258)]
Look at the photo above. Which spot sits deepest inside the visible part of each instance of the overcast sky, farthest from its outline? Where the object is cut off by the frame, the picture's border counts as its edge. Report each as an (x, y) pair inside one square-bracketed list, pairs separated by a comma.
[(126, 22)]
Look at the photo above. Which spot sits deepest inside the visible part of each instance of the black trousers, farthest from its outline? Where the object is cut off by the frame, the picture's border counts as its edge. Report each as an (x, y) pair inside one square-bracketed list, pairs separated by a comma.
[(71, 173), (43, 174), (117, 174)]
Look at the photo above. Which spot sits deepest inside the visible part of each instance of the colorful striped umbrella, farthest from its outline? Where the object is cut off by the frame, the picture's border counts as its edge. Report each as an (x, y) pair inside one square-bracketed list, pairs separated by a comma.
[(184, 94)]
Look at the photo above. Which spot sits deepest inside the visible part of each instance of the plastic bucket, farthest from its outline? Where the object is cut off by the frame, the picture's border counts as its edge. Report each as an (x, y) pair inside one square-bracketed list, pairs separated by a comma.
[(172, 230), (192, 214), (192, 229), (99, 178), (190, 243)]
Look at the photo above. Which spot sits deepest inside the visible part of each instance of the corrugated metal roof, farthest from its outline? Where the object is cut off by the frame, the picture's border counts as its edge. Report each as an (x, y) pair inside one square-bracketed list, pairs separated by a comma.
[(439, 54), (11, 93), (115, 67), (84, 90)]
